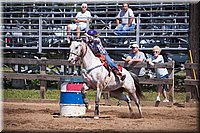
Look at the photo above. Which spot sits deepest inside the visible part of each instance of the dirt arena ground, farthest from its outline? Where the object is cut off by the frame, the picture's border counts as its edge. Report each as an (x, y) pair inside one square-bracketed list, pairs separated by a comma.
[(39, 117)]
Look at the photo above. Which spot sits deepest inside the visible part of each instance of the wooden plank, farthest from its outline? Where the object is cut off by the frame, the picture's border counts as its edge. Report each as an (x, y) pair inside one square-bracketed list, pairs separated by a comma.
[(19, 61), (20, 76), (36, 76), (192, 66), (28, 61), (143, 80), (53, 62), (57, 78), (44, 76), (168, 65), (65, 62), (191, 82)]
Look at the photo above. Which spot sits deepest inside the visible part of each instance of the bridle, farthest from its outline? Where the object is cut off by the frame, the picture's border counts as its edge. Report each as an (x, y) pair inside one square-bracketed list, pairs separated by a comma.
[(80, 56)]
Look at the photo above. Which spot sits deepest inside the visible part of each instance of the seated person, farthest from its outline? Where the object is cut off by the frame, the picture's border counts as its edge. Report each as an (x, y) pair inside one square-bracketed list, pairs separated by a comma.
[(126, 17), (80, 21), (134, 57)]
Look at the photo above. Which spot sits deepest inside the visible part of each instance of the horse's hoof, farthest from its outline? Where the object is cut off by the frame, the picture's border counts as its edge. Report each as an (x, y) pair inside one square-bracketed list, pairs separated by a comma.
[(96, 117), (141, 116), (89, 107)]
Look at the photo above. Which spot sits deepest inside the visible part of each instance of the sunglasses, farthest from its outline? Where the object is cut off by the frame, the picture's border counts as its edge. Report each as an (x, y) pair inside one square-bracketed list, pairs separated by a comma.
[(155, 51), (133, 47), (84, 7)]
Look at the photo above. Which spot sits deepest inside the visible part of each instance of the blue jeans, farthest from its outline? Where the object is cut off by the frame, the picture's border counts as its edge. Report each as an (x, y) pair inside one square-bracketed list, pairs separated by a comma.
[(165, 76), (121, 29), (110, 62)]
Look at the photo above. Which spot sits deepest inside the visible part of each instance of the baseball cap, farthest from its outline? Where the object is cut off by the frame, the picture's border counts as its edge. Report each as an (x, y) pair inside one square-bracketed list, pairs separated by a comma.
[(134, 46)]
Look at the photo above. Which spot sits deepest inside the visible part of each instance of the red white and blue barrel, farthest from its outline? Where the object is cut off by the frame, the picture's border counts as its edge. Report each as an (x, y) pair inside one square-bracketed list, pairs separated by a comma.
[(71, 101)]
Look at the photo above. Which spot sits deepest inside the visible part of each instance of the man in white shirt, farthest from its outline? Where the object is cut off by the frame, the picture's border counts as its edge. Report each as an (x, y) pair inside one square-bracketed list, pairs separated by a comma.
[(80, 20), (126, 17)]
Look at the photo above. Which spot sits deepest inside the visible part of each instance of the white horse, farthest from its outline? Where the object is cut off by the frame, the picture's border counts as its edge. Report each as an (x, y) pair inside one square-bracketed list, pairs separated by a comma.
[(98, 77)]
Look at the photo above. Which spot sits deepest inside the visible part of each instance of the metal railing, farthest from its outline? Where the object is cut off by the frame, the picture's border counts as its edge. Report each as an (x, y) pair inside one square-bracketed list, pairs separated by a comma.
[(42, 26), (58, 32)]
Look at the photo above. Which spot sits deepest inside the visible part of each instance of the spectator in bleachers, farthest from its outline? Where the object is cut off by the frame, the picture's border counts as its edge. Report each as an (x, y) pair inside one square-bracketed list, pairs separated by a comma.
[(161, 73), (80, 20), (125, 20), (134, 57)]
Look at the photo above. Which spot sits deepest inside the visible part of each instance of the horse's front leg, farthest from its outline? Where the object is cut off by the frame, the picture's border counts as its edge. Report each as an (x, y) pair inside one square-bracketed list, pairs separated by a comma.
[(97, 100), (83, 92)]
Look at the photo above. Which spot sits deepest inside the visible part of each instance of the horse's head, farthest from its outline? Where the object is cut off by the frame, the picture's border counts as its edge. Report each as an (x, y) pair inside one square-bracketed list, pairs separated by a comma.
[(76, 52)]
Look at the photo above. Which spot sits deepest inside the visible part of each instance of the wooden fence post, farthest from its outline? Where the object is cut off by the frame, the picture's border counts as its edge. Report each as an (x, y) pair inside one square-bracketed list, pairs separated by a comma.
[(171, 87), (43, 83), (194, 25), (188, 88)]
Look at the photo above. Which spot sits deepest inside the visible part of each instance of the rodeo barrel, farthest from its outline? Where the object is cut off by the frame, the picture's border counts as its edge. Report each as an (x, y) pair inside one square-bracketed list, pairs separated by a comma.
[(71, 101)]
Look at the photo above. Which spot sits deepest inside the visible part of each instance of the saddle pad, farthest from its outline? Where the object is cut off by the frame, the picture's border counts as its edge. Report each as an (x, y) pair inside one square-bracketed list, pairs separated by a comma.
[(119, 67), (71, 87)]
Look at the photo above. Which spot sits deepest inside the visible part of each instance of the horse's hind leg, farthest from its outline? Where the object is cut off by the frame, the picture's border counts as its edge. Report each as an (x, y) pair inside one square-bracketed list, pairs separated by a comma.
[(118, 94), (136, 100)]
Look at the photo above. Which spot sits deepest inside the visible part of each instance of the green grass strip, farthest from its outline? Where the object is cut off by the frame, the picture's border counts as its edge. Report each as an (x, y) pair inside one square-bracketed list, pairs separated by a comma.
[(55, 94)]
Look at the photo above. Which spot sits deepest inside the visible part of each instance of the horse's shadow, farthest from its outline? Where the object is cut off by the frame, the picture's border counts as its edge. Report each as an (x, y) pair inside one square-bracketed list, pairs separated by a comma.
[(87, 116), (104, 115), (129, 115), (58, 115), (122, 114)]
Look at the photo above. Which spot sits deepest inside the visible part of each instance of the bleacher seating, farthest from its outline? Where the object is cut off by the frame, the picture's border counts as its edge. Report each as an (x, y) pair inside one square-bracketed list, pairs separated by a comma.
[(41, 27)]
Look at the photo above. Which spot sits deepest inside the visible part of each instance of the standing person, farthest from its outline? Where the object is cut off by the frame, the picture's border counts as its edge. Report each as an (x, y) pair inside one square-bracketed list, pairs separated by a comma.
[(161, 73), (125, 20), (134, 57), (80, 20), (96, 46)]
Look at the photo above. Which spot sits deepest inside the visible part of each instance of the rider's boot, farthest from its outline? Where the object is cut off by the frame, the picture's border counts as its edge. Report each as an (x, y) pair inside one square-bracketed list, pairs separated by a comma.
[(119, 74), (123, 76)]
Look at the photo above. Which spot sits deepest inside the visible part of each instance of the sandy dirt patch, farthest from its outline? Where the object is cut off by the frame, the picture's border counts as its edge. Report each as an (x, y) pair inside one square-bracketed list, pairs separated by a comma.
[(23, 116)]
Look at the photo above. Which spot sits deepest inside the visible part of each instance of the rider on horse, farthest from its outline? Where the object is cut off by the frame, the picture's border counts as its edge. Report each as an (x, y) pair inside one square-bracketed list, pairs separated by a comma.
[(96, 46)]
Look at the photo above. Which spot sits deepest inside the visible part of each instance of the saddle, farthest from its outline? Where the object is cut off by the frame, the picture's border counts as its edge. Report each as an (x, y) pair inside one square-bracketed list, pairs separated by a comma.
[(105, 64)]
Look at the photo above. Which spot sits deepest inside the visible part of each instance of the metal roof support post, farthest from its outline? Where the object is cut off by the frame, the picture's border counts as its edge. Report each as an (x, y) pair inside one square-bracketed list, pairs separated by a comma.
[(138, 30), (40, 35), (88, 24)]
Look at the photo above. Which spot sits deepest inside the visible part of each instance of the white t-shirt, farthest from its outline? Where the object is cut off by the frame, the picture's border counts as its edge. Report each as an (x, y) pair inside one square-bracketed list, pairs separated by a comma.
[(160, 72), (83, 16), (125, 15)]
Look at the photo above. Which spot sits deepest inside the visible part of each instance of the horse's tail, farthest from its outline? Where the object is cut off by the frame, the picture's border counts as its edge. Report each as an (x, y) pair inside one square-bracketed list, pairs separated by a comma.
[(137, 85)]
